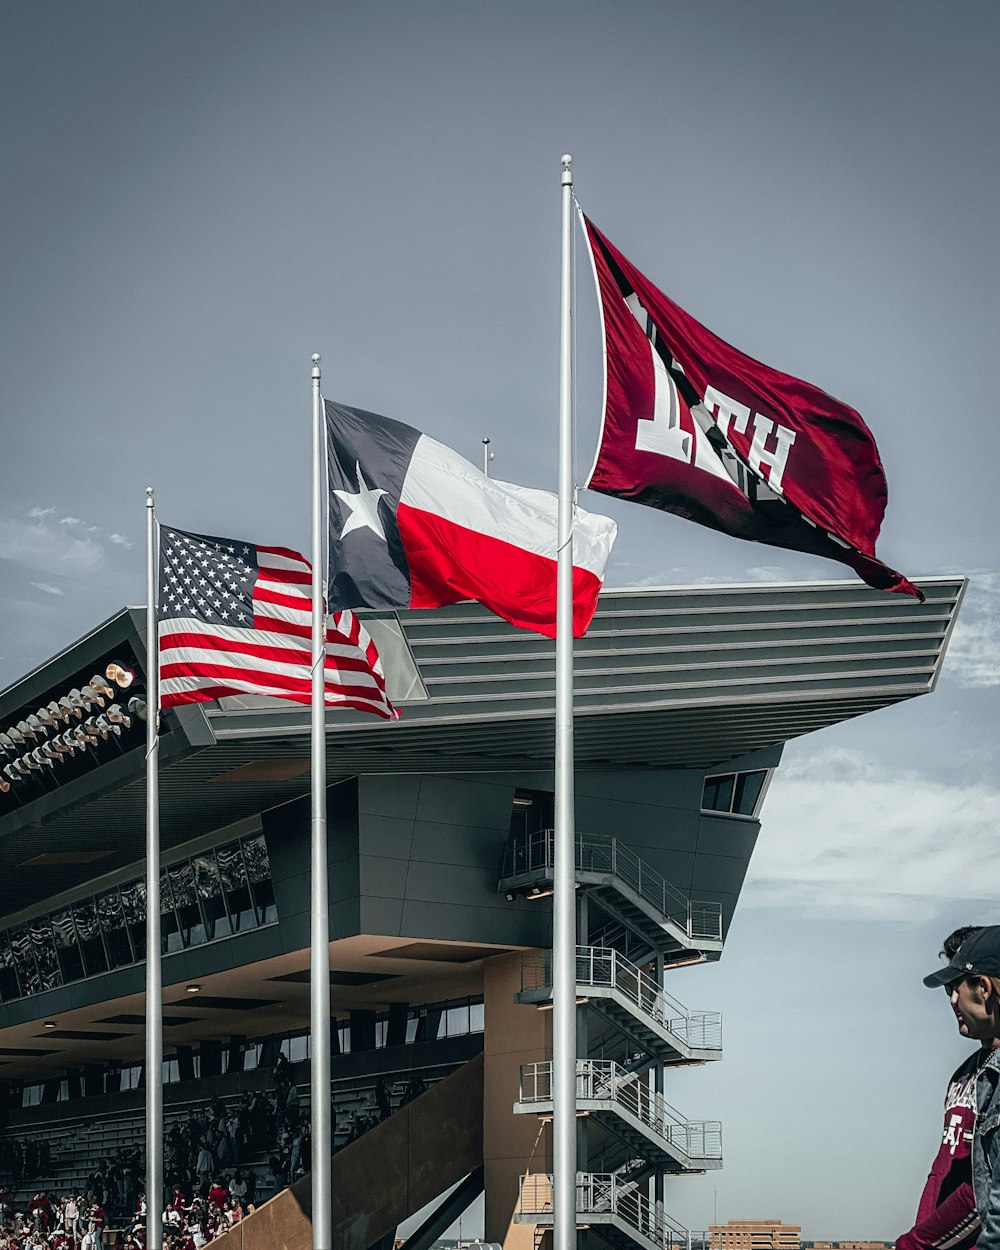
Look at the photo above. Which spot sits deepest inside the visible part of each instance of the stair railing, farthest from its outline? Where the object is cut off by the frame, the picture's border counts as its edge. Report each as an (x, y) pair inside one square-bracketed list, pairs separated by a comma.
[(604, 968), (528, 853)]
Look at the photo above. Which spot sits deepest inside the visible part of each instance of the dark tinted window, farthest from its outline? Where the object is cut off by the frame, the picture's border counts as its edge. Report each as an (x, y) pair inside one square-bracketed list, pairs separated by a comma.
[(134, 911), (67, 947), (49, 973), (95, 958), (718, 796), (236, 887), (209, 889), (116, 940), (748, 788), (24, 959), (9, 987)]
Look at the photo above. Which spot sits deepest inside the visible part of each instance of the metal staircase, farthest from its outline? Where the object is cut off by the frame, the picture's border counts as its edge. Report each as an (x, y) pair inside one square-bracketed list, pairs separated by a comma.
[(631, 893), (635, 926), (623, 1102), (660, 1027), (623, 1215)]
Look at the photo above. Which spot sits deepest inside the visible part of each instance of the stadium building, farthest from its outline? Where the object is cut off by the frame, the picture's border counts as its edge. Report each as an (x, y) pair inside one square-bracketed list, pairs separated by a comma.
[(440, 880)]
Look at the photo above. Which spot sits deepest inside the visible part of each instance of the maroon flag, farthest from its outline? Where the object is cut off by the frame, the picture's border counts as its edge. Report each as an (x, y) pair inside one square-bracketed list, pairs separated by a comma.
[(694, 427)]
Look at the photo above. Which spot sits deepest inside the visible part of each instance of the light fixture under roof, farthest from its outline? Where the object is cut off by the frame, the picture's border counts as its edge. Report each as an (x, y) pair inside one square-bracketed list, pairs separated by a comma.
[(49, 1024), (193, 989), (120, 674)]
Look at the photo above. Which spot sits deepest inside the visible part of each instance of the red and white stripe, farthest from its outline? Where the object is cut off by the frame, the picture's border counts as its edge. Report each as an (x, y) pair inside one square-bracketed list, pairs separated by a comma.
[(201, 660), (469, 536)]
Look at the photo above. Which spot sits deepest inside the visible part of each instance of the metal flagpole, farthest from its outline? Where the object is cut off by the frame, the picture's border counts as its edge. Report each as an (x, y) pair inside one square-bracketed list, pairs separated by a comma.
[(319, 974), (564, 1148), (154, 977)]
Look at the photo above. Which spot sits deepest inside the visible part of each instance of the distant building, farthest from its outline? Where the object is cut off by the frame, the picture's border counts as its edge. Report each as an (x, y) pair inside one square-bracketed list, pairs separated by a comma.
[(847, 1245), (755, 1235)]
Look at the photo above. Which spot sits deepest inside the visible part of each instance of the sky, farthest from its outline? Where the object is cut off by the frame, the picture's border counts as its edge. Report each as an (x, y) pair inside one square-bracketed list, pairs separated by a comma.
[(197, 197)]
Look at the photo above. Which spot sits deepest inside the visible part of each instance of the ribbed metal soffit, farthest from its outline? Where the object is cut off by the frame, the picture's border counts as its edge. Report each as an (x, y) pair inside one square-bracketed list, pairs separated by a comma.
[(664, 678)]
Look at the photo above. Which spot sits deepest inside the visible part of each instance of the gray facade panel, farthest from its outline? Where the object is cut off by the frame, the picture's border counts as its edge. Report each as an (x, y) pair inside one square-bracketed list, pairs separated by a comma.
[(719, 835), (386, 835), (460, 801), (442, 883), (456, 922), (381, 877), (458, 844), (714, 873), (389, 796)]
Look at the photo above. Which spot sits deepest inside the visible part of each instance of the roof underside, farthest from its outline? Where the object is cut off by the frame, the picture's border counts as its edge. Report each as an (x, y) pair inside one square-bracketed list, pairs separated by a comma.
[(674, 678)]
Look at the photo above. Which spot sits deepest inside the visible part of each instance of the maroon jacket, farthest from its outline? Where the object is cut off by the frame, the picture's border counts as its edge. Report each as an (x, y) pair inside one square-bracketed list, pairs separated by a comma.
[(946, 1214)]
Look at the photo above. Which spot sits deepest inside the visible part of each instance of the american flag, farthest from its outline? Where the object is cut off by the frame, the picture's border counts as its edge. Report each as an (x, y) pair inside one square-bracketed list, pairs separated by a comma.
[(236, 618)]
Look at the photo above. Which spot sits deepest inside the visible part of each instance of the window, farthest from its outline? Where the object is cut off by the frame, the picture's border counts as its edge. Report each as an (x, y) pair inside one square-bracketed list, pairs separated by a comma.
[(236, 887), (49, 973), (208, 896), (9, 987), (259, 872), (134, 909), (24, 961), (740, 794), (186, 903), (112, 914), (85, 916), (67, 948), (209, 889)]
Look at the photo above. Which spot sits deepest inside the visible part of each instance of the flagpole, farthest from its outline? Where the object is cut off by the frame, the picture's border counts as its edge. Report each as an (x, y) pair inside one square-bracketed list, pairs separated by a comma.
[(154, 978), (564, 1148), (319, 967)]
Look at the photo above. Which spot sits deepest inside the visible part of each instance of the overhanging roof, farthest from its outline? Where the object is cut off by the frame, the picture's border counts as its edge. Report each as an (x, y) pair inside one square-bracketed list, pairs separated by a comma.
[(675, 677)]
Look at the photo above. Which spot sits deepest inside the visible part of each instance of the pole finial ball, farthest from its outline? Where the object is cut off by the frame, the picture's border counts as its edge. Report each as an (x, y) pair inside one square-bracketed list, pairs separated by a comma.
[(315, 358), (567, 159)]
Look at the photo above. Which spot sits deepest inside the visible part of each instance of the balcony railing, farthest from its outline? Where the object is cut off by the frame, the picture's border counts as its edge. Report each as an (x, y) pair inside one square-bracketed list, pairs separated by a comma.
[(604, 1080), (604, 968), (602, 1194), (530, 853)]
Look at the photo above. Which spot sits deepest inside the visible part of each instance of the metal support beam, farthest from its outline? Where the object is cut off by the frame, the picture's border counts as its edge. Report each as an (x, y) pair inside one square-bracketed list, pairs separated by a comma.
[(457, 1202)]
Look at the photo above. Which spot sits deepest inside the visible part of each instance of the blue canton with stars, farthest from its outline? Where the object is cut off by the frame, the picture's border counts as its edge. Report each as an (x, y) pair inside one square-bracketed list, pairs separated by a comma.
[(208, 578)]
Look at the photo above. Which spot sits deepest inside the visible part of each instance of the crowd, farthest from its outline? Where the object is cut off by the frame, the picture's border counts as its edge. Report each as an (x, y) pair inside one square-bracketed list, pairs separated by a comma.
[(210, 1183), (74, 1223)]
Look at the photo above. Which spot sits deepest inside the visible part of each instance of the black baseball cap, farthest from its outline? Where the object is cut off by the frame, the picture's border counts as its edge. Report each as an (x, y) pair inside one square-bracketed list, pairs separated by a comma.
[(979, 955)]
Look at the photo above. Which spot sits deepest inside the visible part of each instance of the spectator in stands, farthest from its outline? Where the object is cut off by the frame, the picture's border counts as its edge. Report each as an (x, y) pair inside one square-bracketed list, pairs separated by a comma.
[(218, 1194), (238, 1186), (96, 1219), (382, 1099), (204, 1167), (71, 1217), (415, 1087)]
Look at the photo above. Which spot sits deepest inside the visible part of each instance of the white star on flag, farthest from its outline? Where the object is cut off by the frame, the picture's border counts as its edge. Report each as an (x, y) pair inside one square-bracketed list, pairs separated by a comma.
[(363, 506)]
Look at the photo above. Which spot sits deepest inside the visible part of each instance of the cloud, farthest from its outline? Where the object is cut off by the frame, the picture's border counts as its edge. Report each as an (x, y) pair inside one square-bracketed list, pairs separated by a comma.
[(44, 548), (47, 588), (973, 658), (120, 540), (843, 835), (70, 520), (38, 513)]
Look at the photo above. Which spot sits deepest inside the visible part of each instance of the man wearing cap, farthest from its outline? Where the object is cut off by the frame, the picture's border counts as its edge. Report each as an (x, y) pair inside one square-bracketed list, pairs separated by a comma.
[(972, 980), (946, 1214)]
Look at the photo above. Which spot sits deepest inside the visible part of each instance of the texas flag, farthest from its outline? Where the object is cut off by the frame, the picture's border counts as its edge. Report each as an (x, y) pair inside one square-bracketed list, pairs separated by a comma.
[(414, 525)]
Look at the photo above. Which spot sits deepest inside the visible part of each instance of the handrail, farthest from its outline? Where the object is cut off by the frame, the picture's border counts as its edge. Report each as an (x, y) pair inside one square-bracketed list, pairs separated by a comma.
[(599, 1193), (605, 968), (603, 1079), (534, 852)]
